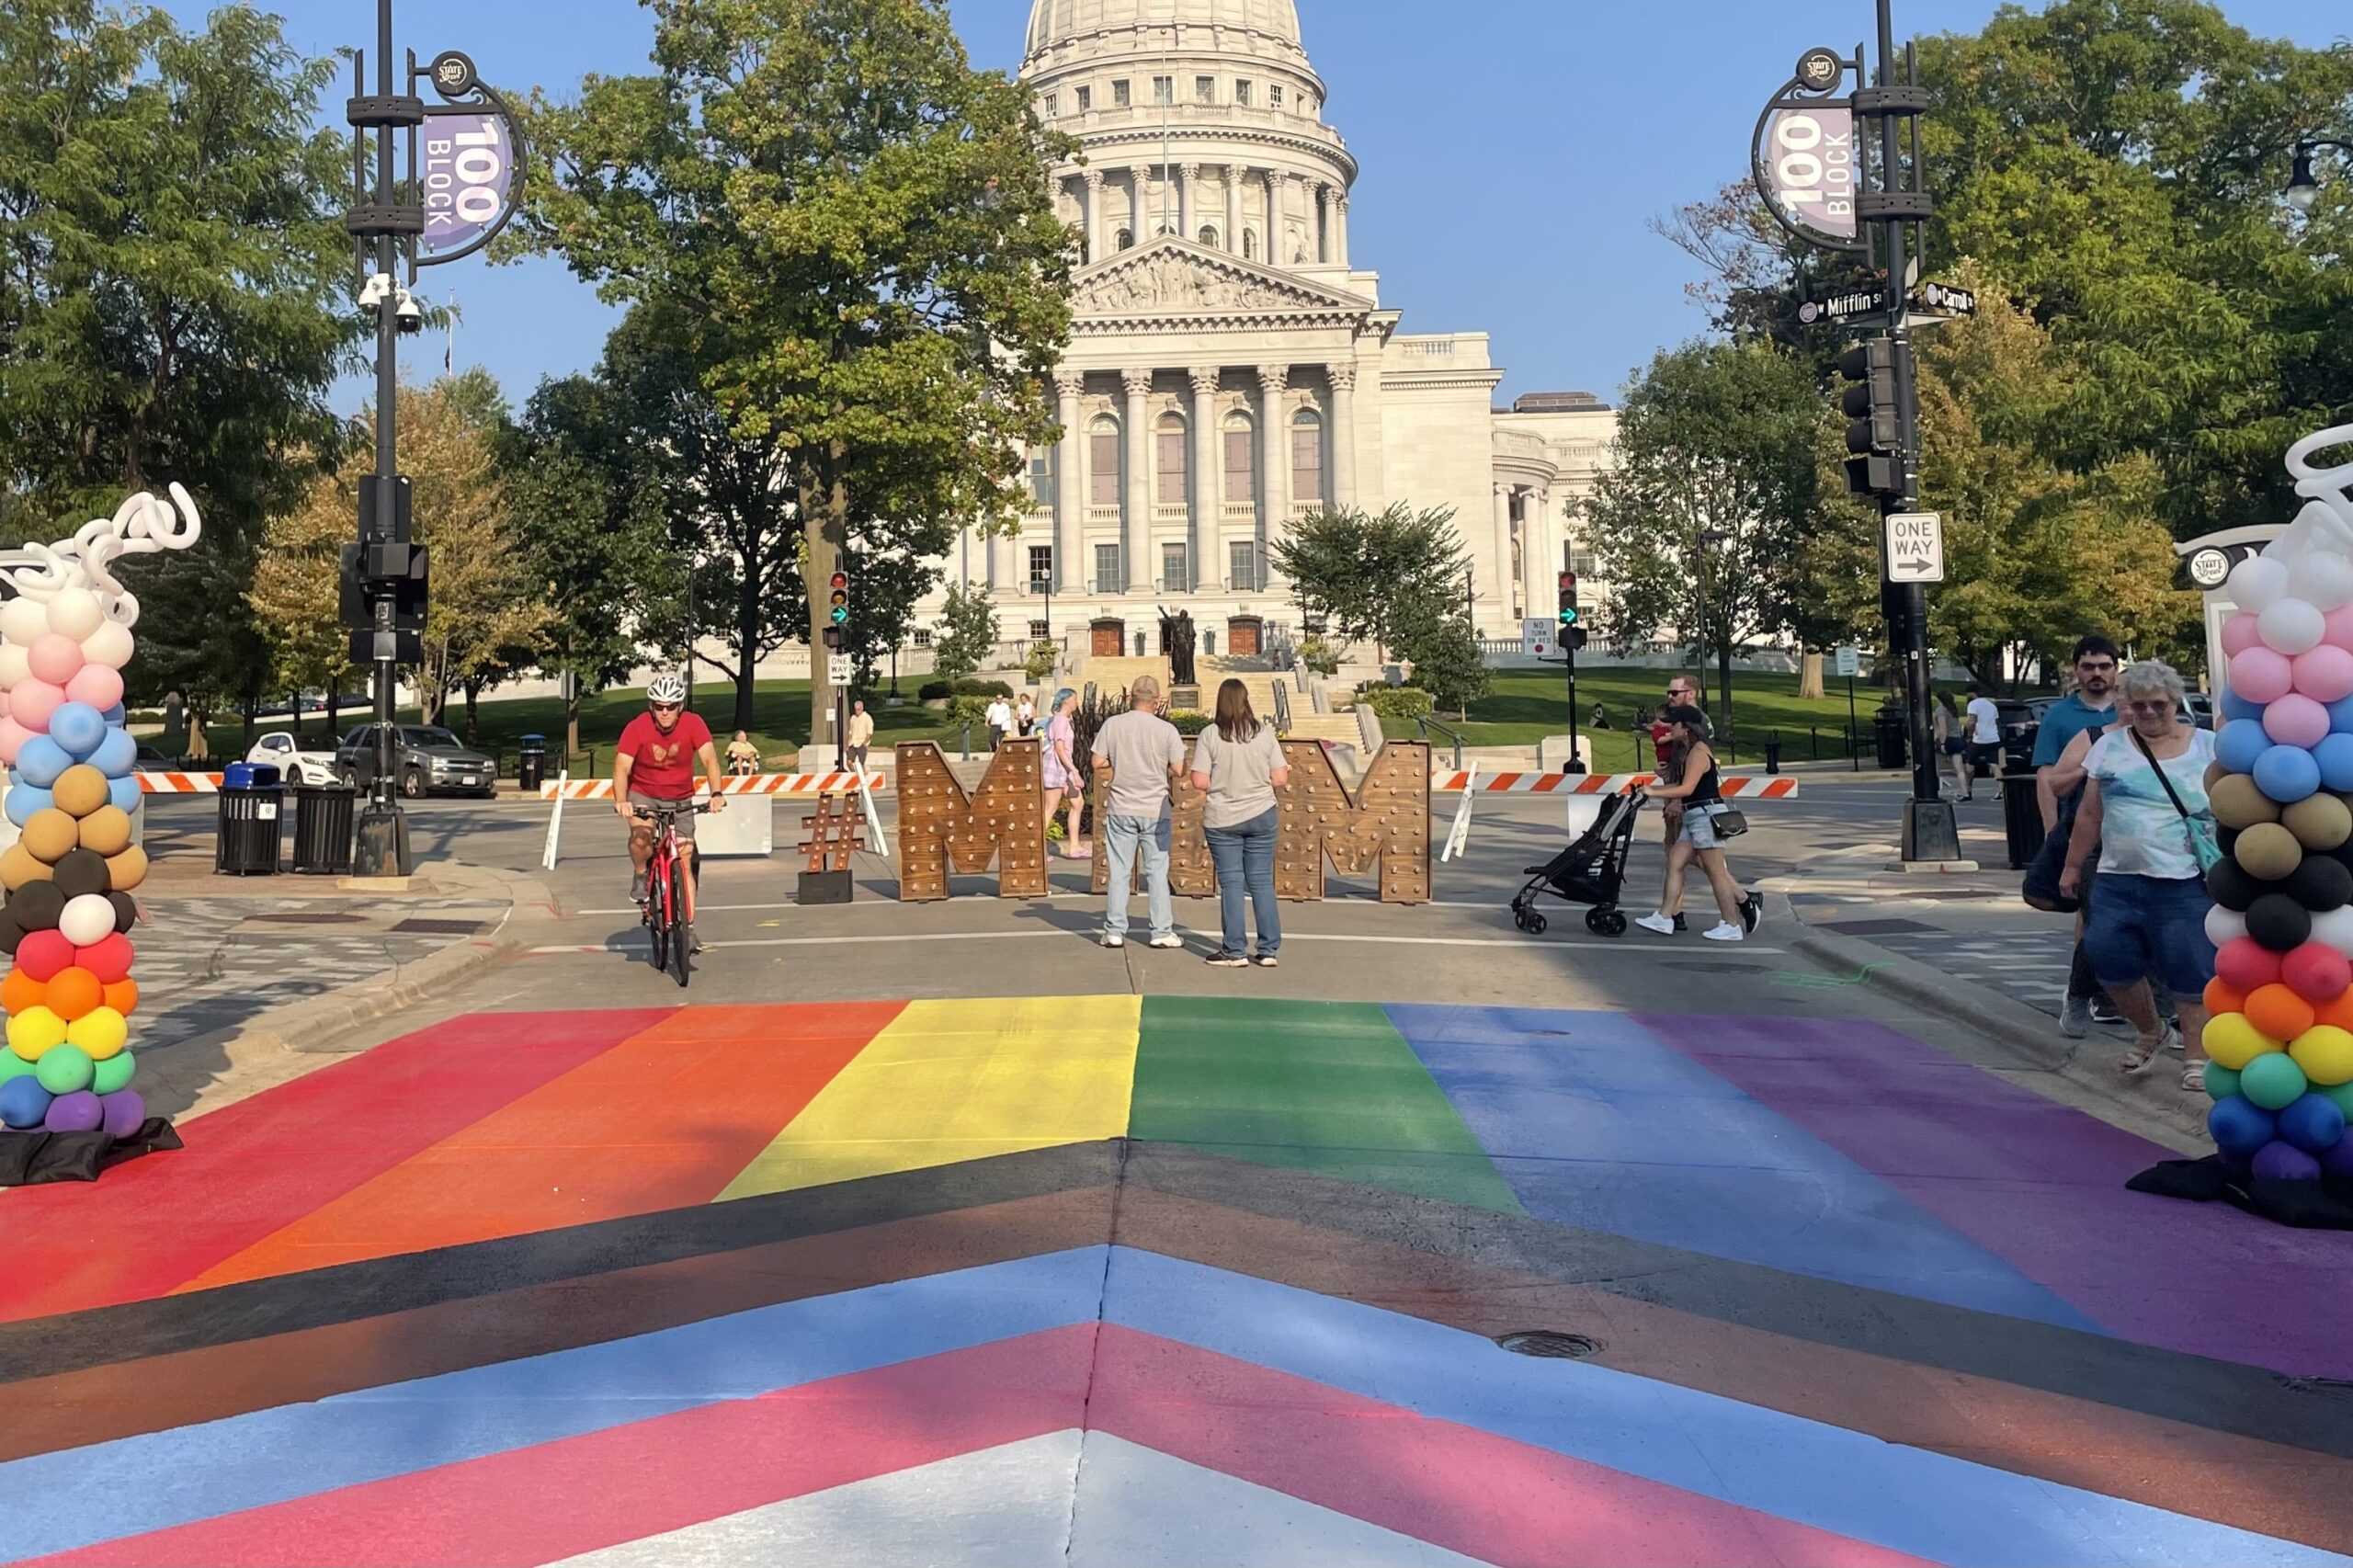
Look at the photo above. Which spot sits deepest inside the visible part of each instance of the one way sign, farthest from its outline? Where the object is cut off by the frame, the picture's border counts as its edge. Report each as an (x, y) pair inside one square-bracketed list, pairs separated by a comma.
[(1916, 547)]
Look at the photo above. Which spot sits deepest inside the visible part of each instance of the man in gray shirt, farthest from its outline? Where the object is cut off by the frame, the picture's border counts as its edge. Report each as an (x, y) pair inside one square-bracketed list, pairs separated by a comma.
[(1141, 753)]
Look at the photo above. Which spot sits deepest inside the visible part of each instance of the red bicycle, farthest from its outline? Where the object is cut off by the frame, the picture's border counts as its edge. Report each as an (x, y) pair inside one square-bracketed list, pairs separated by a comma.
[(665, 887)]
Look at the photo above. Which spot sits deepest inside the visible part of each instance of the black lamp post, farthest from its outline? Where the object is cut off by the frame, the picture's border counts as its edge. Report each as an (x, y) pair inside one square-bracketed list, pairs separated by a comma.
[(2304, 189)]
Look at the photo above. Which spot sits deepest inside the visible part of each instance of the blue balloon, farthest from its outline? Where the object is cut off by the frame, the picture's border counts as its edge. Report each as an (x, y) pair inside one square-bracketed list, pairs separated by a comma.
[(2235, 707), (24, 799), (23, 1102), (116, 716), (78, 727), (2240, 1125), (124, 792), (2340, 716), (2287, 774), (2313, 1122), (41, 760), (119, 754), (2239, 742), (2285, 1161), (2335, 755)]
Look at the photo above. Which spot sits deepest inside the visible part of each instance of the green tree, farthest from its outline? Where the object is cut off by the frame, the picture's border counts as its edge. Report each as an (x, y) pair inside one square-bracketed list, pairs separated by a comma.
[(1371, 576), (174, 289), (850, 233), (967, 633), (1442, 645)]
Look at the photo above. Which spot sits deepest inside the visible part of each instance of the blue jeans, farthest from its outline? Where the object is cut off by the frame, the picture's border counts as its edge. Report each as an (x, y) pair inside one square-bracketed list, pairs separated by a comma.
[(2153, 926), (1124, 839), (1246, 865)]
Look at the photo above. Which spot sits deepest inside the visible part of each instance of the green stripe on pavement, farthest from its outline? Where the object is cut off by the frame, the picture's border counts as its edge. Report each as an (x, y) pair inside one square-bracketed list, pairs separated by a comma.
[(1325, 1086)]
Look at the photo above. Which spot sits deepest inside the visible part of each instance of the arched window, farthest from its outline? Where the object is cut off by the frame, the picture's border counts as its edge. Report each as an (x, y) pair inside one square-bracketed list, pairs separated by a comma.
[(1208, 235), (1241, 447), (1123, 240), (1249, 246), (1307, 457), (1103, 461), (1162, 231), (1168, 442)]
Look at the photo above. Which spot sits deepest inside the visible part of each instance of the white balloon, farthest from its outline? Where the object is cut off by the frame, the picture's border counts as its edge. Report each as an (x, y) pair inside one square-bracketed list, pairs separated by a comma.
[(2324, 579), (2256, 581), (88, 919), (2334, 928), (24, 621), (2224, 925), (2291, 626), (15, 664), (75, 612), (109, 645)]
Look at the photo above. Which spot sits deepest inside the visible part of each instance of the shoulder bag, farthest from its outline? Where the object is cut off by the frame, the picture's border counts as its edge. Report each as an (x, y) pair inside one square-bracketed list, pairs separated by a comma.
[(2203, 846)]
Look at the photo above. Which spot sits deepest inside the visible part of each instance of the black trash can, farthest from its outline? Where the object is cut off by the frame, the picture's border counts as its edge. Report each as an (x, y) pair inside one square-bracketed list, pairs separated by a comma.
[(1887, 732), (2021, 819), (322, 825), (251, 831), (531, 762)]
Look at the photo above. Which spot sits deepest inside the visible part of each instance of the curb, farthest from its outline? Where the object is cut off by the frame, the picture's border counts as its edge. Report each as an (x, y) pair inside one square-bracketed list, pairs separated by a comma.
[(308, 1024), (2032, 1036)]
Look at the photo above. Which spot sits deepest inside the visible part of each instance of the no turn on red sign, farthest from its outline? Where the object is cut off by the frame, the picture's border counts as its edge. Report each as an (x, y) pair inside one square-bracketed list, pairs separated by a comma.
[(1916, 547)]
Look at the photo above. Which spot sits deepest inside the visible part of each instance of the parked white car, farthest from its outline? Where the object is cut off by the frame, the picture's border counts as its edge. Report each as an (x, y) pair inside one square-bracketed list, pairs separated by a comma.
[(297, 766)]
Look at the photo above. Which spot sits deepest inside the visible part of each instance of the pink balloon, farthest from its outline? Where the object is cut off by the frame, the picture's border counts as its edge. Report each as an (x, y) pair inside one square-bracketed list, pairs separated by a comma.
[(2240, 632), (2295, 721), (102, 687), (2337, 627), (2258, 675), (4, 702), (13, 736), (31, 703), (55, 657), (2325, 675)]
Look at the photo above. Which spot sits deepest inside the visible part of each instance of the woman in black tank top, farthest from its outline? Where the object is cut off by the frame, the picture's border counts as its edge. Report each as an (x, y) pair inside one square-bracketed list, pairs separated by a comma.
[(1700, 790)]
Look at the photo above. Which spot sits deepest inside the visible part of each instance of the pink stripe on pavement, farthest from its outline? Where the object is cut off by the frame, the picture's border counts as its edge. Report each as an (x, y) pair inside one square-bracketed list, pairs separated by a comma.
[(551, 1501), (1451, 1485)]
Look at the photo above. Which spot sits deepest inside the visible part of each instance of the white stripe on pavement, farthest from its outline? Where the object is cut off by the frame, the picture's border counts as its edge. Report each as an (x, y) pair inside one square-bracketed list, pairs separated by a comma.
[(1603, 947)]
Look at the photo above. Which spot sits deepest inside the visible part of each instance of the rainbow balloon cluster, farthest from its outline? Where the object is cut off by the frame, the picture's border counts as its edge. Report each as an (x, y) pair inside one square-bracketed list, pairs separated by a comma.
[(64, 639), (2279, 1044)]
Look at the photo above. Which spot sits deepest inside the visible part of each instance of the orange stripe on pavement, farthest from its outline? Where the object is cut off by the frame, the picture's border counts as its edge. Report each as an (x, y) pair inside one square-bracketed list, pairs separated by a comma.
[(663, 1120)]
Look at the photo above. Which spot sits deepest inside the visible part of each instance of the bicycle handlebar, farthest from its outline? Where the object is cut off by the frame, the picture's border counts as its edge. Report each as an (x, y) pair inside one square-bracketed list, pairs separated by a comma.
[(690, 808)]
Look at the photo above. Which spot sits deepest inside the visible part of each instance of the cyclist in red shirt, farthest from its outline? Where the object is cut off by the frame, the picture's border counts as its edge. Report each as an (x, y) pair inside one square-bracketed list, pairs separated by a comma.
[(653, 764)]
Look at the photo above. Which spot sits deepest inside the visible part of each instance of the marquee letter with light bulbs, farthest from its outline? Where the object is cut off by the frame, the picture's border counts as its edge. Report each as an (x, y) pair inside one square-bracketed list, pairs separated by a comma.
[(2281, 1040), (64, 637)]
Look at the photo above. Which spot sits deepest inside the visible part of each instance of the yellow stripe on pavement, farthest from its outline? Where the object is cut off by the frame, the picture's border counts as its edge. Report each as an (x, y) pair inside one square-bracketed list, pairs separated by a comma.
[(952, 1081)]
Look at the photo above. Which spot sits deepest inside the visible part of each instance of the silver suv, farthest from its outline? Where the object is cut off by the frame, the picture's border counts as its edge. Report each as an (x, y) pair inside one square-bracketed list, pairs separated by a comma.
[(427, 759)]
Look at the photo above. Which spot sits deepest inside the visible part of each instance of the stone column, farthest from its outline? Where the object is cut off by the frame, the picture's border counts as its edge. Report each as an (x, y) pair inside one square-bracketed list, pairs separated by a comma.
[(1274, 476), (1273, 257), (1140, 213), (1070, 494), (1502, 548), (1325, 249), (1208, 514), (1343, 432), (1135, 537), (1306, 214), (1340, 240), (1531, 548), (1234, 207), (1095, 215), (1187, 175)]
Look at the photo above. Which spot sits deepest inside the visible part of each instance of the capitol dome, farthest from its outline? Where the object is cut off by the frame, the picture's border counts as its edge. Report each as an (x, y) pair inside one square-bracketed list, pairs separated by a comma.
[(1057, 21)]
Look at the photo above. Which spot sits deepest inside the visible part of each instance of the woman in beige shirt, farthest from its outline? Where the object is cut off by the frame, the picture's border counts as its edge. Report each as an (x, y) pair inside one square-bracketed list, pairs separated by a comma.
[(1238, 764)]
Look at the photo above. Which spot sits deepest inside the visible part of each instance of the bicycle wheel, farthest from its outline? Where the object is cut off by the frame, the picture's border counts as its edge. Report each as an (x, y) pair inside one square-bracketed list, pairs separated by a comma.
[(657, 916), (680, 943)]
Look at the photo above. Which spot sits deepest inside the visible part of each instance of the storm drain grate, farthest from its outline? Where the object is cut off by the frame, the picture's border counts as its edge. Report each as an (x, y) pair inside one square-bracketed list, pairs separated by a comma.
[(311, 919), (439, 927), (1550, 1344)]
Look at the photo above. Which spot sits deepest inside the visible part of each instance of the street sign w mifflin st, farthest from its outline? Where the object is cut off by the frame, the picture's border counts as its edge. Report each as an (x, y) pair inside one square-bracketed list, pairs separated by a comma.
[(1916, 547)]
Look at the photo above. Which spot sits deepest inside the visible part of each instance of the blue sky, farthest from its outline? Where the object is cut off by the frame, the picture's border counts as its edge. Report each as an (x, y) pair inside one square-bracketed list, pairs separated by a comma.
[(1512, 151)]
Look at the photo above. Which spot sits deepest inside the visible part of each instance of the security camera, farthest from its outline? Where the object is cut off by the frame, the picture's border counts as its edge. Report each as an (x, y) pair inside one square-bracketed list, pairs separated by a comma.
[(409, 317), (379, 288)]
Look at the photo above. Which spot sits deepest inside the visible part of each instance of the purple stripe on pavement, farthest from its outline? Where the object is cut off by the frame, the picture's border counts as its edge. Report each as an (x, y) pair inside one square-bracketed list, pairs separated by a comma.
[(2041, 1186)]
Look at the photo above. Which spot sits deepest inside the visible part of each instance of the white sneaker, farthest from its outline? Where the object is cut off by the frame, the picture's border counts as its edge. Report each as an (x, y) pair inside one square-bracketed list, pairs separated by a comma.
[(1167, 939), (1656, 922), (1113, 939), (1724, 931)]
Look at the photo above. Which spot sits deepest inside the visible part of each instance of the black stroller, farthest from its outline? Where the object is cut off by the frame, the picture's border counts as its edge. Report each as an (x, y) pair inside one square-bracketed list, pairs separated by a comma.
[(1592, 870)]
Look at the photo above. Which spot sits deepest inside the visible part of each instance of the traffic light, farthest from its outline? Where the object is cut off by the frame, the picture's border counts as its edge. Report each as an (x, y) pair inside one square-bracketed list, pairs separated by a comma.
[(1874, 408), (841, 599), (1573, 631)]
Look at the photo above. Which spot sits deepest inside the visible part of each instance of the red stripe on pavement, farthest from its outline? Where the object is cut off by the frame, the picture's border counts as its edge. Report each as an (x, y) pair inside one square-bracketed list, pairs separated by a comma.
[(555, 1500), (254, 1167)]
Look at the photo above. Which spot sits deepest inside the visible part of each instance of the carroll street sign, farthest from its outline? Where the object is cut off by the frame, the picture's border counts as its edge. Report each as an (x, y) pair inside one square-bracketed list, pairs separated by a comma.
[(1804, 156)]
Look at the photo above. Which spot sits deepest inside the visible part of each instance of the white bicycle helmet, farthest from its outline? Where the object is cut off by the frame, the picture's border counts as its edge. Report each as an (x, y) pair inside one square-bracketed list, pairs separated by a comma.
[(666, 689)]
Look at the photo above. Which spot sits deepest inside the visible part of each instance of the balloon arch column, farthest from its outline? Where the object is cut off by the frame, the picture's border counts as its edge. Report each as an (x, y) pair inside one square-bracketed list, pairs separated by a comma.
[(65, 635), (2280, 1041)]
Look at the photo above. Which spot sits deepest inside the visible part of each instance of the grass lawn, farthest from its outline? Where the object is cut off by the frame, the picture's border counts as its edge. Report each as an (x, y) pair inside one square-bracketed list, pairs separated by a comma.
[(1527, 705), (779, 723)]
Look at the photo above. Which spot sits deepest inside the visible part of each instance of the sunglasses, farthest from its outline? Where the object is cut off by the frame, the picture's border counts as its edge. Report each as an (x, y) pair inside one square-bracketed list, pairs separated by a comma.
[(668, 707)]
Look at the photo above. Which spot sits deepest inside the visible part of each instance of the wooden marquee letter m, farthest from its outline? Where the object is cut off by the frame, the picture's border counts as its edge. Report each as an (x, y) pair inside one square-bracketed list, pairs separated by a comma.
[(940, 826)]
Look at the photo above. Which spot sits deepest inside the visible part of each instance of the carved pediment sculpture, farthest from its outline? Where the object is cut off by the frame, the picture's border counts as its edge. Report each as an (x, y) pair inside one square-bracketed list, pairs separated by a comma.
[(1167, 279)]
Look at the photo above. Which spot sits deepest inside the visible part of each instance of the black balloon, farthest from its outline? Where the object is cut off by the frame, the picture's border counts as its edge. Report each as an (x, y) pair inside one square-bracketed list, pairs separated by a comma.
[(36, 906), (2278, 923), (126, 914), (2320, 884), (81, 871), (10, 932), (2228, 837), (2229, 885)]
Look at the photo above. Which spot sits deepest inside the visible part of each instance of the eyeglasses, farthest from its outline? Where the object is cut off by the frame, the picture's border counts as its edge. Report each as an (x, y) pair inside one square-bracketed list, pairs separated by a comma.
[(2159, 706), (667, 707), (2097, 667)]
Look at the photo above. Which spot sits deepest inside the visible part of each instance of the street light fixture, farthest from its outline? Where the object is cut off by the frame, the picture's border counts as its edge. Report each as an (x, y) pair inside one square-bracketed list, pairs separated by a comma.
[(2304, 189)]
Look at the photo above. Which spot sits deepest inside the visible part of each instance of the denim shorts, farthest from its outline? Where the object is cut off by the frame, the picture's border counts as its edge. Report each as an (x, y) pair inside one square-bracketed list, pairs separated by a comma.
[(2150, 927), (1699, 825)]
